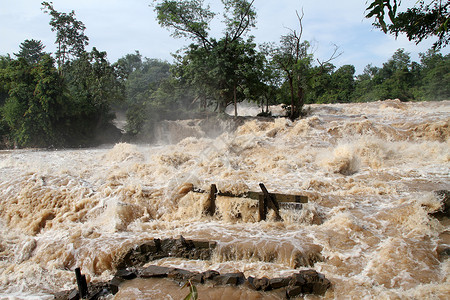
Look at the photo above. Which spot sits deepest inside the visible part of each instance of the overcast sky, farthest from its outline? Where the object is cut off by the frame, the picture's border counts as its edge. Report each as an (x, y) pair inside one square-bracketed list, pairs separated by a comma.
[(120, 27)]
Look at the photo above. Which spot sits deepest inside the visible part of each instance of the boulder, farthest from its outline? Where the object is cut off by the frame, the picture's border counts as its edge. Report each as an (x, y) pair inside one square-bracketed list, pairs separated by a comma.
[(210, 274), (229, 279), (279, 282), (180, 274), (444, 211), (293, 291), (155, 271), (309, 281), (114, 284), (197, 278), (259, 284), (157, 249), (126, 274)]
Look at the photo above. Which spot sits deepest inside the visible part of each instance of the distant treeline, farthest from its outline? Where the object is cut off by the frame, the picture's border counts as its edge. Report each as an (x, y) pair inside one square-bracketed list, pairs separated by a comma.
[(68, 98)]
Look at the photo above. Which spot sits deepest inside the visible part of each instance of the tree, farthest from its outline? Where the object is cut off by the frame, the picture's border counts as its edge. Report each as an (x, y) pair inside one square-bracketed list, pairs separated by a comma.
[(434, 78), (223, 60), (70, 38), (418, 23), (93, 85), (143, 78), (292, 56), (35, 102), (31, 51)]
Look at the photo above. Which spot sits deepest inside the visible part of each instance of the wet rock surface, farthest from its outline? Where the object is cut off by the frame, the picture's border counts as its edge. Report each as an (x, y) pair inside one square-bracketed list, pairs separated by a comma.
[(444, 211), (157, 249), (131, 266), (301, 283)]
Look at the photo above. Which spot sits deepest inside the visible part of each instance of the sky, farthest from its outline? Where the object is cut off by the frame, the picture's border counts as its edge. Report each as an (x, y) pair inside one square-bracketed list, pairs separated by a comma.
[(121, 27)]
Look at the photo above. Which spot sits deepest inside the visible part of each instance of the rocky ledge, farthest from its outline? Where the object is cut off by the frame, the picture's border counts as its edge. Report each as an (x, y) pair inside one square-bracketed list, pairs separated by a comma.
[(131, 266), (157, 249), (303, 282)]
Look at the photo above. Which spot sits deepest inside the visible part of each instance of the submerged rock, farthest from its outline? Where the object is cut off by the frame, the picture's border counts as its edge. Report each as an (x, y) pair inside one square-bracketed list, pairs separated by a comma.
[(155, 271), (157, 249), (230, 279), (444, 210), (307, 282)]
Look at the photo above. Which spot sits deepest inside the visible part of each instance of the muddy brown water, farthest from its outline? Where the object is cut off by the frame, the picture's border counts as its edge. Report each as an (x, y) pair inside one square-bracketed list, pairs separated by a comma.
[(369, 171)]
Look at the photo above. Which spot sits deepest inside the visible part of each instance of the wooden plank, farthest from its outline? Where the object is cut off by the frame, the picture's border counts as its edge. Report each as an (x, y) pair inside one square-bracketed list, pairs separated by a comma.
[(280, 198)]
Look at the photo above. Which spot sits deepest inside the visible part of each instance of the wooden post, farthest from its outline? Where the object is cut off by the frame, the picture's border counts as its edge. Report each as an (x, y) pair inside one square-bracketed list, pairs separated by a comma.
[(271, 201), (210, 208), (262, 207), (82, 285)]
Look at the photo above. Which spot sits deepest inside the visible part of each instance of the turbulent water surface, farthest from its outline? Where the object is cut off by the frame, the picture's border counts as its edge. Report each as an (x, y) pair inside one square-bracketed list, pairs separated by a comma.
[(369, 171)]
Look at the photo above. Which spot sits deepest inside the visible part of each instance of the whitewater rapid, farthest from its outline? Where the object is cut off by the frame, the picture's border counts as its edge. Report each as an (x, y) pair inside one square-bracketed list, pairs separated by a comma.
[(370, 171)]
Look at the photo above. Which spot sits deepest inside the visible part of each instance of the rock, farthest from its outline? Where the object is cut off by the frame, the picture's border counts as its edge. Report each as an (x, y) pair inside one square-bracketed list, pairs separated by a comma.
[(98, 290), (310, 282), (157, 249), (210, 274), (229, 278), (197, 278), (155, 271), (444, 211), (73, 295), (276, 283), (443, 253), (126, 274), (250, 281), (114, 284), (262, 284), (180, 274), (303, 282), (293, 291), (140, 255), (259, 283)]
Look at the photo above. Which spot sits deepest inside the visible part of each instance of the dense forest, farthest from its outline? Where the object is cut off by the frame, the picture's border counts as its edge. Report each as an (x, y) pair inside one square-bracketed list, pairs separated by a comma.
[(69, 98)]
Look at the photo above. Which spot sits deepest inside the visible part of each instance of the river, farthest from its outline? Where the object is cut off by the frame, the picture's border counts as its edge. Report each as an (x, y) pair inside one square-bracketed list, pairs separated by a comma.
[(370, 171)]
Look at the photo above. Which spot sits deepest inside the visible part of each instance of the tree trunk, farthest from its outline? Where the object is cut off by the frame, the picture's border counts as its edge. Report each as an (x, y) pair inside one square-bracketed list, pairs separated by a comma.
[(235, 101), (291, 86)]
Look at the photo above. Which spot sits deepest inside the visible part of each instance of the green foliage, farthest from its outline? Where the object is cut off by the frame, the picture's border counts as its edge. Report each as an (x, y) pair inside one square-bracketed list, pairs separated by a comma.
[(193, 294), (33, 106), (418, 22), (150, 92), (434, 76), (400, 78), (221, 69), (187, 18), (31, 51), (231, 71)]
